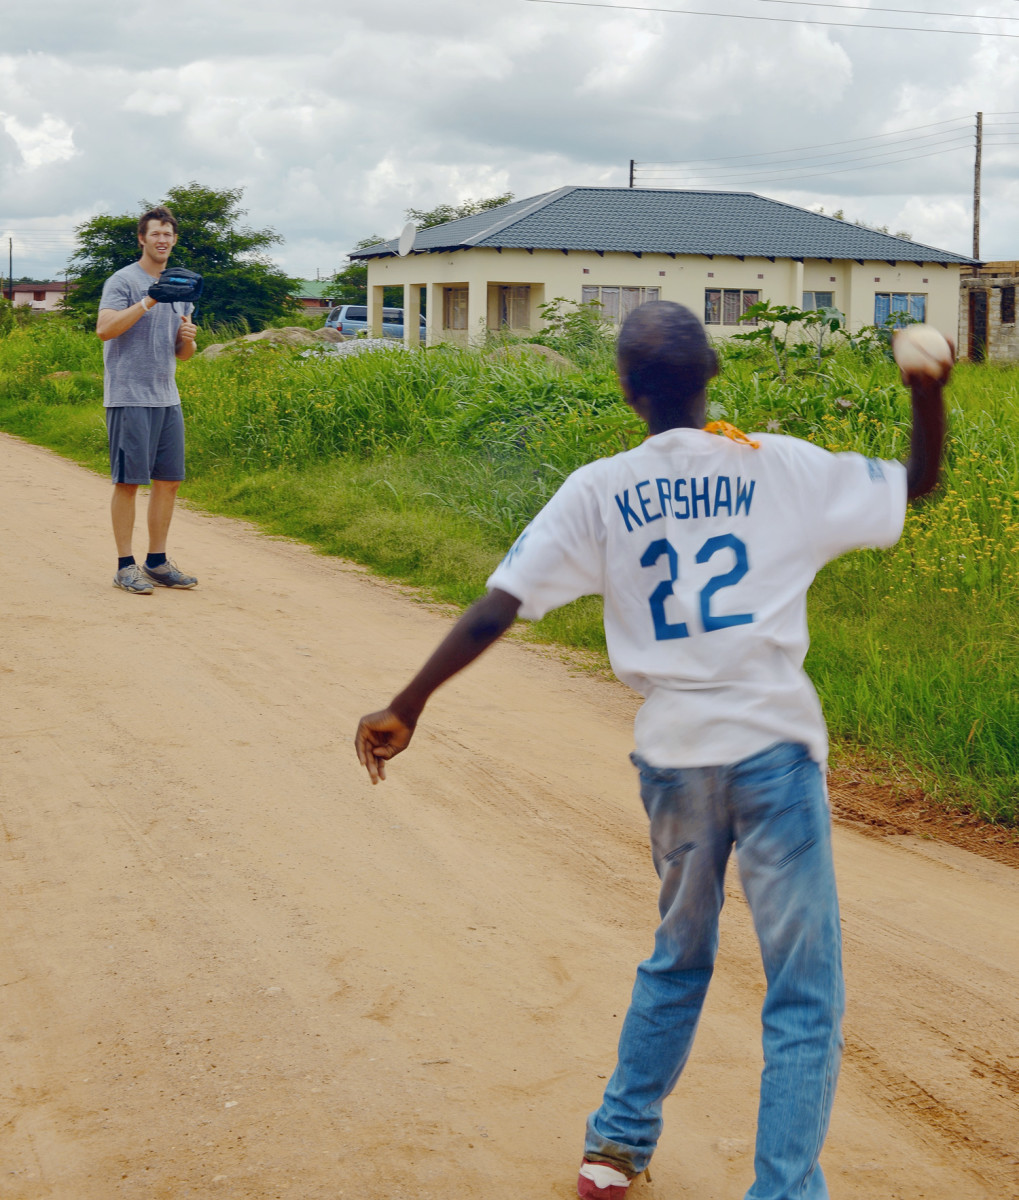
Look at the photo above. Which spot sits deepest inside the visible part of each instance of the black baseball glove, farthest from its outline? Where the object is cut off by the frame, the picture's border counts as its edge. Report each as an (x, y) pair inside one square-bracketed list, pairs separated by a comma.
[(177, 284)]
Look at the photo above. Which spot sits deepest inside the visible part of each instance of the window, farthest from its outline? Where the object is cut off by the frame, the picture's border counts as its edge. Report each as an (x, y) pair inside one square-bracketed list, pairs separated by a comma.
[(725, 306), (818, 300), (1008, 305), (909, 304), (454, 308), (618, 302), (515, 307), (39, 296)]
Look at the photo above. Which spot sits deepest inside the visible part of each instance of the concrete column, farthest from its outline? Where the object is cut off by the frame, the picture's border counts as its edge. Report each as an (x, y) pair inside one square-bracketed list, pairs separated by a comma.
[(847, 299), (375, 311), (537, 300), (796, 284), (477, 311), (412, 315), (434, 315)]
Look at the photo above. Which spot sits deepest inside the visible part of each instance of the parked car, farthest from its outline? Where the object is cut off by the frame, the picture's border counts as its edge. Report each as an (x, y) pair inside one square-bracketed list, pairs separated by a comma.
[(350, 319)]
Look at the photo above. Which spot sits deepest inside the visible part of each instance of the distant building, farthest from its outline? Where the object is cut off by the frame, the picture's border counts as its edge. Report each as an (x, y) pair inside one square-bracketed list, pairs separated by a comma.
[(40, 297), (716, 252), (316, 293), (987, 325)]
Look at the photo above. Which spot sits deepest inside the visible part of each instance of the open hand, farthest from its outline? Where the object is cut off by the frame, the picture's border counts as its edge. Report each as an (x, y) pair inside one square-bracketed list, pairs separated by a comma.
[(380, 736)]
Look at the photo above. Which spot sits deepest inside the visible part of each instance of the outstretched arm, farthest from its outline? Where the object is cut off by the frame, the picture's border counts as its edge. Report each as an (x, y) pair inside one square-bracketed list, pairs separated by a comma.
[(925, 360), (928, 437), (382, 735)]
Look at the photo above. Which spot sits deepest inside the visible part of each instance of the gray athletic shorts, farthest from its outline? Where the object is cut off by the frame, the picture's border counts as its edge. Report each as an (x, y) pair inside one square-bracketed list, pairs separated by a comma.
[(146, 443)]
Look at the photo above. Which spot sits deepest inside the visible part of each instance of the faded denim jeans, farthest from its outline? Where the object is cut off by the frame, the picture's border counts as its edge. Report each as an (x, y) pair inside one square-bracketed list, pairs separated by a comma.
[(773, 809)]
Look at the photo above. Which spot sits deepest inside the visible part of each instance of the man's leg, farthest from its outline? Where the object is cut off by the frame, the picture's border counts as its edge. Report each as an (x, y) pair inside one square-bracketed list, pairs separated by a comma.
[(783, 846), (122, 510), (161, 501), (167, 473), (690, 842)]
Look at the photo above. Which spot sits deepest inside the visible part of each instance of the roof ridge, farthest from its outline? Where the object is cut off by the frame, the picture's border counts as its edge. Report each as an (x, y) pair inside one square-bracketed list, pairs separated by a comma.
[(538, 203)]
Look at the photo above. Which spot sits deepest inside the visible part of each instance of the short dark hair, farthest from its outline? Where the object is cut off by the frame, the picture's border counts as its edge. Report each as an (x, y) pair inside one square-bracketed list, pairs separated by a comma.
[(665, 356), (161, 214)]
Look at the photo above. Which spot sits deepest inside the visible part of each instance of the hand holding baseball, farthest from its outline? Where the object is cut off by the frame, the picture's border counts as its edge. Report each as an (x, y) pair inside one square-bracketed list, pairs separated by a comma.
[(923, 355)]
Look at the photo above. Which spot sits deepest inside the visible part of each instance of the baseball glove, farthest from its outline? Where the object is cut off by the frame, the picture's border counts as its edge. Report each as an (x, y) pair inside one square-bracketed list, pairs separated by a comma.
[(177, 284)]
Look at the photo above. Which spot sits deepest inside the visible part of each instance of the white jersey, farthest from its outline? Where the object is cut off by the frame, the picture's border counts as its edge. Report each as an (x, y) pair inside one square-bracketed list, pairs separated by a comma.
[(703, 549)]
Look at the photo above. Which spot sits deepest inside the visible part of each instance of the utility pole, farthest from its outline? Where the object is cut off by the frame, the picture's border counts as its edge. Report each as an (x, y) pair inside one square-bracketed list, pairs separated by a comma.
[(10, 269), (631, 172), (976, 184)]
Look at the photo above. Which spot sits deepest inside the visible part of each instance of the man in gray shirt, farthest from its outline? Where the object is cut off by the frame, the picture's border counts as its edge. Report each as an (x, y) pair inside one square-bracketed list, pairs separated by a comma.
[(142, 341)]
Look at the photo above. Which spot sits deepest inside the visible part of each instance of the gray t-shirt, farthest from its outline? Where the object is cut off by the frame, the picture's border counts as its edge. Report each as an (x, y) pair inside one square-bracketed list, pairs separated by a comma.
[(140, 364)]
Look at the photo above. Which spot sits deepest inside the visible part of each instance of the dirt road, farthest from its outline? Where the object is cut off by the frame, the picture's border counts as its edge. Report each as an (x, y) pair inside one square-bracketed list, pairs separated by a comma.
[(231, 968)]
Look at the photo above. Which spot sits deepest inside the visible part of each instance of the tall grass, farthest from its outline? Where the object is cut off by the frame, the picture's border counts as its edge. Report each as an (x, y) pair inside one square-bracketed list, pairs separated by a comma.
[(426, 465)]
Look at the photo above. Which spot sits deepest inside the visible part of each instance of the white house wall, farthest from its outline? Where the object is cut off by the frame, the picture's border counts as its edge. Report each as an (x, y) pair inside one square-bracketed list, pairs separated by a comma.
[(684, 279)]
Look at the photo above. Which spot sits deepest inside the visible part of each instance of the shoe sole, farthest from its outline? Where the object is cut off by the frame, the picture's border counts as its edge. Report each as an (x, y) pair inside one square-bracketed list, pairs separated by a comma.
[(133, 591)]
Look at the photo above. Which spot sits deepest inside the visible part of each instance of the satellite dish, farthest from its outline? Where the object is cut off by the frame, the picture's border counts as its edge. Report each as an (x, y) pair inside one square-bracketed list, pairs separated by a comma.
[(410, 232)]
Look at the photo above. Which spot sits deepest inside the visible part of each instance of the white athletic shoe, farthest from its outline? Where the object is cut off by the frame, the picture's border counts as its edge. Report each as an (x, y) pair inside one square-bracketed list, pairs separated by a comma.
[(132, 580)]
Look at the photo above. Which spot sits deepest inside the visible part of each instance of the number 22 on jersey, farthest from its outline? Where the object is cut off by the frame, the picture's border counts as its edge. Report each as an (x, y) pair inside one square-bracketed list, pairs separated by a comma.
[(665, 630)]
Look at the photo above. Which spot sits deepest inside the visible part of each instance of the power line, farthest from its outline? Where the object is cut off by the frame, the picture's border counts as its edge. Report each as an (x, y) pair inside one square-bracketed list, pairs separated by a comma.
[(875, 151), (913, 12), (896, 133), (961, 137), (692, 12), (774, 177)]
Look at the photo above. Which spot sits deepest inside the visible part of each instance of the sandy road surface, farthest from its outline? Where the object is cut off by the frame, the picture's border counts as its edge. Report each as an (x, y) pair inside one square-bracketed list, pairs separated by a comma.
[(231, 968)]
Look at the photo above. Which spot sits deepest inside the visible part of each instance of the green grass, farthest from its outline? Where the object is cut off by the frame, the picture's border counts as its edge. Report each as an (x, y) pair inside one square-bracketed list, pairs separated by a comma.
[(425, 466)]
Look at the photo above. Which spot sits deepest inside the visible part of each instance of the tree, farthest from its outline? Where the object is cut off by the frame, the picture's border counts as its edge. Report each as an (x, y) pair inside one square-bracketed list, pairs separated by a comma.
[(839, 215), (241, 282), (352, 282), (425, 218)]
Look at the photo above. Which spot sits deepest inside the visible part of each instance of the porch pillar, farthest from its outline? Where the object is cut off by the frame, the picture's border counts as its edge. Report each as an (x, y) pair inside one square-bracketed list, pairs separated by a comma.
[(412, 315), (375, 310)]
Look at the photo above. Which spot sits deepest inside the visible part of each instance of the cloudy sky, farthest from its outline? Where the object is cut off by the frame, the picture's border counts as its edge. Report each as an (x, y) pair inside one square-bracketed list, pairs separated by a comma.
[(335, 118)]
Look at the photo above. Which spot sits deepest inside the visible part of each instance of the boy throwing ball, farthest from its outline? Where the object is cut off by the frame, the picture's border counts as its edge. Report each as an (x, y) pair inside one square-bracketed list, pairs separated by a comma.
[(703, 548)]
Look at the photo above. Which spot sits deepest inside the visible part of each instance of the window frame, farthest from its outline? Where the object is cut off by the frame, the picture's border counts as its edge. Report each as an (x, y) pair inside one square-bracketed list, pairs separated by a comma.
[(727, 304), (917, 311), (616, 300), (813, 305), (455, 301)]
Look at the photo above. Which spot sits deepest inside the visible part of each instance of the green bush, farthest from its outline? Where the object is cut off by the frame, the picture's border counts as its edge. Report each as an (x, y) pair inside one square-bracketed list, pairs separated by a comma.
[(425, 465)]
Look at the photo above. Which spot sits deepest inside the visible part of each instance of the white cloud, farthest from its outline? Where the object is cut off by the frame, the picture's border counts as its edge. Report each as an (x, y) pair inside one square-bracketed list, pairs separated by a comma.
[(49, 141), (153, 103), (335, 120)]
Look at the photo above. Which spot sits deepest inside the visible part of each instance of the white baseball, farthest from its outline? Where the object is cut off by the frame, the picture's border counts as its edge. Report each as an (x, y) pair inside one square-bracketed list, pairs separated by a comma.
[(921, 351)]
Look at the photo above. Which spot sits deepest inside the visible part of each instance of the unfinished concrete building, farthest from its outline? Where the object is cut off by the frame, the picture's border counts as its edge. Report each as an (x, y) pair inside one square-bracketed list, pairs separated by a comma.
[(987, 326)]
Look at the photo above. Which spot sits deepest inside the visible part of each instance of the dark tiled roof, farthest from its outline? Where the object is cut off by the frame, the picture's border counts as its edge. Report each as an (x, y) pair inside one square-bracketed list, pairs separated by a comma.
[(660, 221)]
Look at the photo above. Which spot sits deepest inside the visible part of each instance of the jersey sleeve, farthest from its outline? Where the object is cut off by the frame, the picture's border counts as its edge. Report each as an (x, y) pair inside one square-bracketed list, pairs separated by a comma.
[(559, 556), (116, 293), (853, 502)]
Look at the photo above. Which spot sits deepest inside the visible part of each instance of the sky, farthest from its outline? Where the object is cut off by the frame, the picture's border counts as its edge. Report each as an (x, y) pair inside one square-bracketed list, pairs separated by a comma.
[(336, 118)]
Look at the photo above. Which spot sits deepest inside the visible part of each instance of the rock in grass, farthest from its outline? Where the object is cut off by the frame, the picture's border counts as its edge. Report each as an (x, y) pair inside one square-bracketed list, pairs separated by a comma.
[(535, 350)]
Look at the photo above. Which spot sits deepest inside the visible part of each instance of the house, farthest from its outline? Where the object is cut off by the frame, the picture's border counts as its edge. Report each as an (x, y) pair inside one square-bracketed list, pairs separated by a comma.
[(40, 297), (716, 252), (316, 294), (987, 326)]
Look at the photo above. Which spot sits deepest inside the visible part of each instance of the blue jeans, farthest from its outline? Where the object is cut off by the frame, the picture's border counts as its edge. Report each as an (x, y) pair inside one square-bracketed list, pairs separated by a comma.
[(773, 808)]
